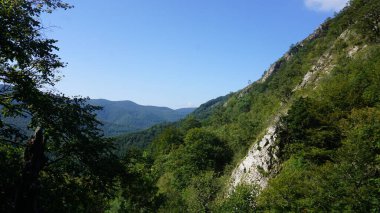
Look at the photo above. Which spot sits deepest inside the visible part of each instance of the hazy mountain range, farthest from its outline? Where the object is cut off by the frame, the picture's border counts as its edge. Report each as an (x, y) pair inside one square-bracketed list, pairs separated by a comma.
[(120, 117), (126, 116)]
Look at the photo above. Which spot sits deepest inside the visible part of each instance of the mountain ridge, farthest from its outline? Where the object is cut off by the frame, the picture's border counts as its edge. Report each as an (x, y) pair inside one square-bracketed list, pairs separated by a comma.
[(304, 138), (120, 117)]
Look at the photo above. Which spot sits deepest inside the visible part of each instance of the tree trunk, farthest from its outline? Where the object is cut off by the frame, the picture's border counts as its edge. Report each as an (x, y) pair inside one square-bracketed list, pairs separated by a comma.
[(35, 160)]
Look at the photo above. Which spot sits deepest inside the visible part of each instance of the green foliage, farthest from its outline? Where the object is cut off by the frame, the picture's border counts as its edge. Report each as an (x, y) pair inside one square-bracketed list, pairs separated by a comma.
[(141, 139), (190, 123), (328, 142), (79, 168), (186, 174), (167, 141), (307, 131), (201, 192), (121, 117), (291, 190), (359, 160), (369, 21), (205, 150), (138, 191), (243, 199), (204, 111), (348, 183), (360, 87), (10, 166)]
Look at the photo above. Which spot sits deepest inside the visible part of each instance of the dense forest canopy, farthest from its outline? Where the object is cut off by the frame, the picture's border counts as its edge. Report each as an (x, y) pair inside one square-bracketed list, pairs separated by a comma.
[(322, 99)]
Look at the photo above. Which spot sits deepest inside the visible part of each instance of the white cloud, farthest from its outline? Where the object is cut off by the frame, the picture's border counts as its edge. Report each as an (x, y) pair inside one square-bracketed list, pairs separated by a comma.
[(326, 5)]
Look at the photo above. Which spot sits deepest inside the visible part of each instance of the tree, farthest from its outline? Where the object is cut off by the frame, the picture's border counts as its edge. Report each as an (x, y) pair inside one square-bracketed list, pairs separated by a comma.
[(308, 128), (138, 190), (167, 141), (206, 151), (201, 192), (243, 199), (190, 123), (369, 22), (70, 144)]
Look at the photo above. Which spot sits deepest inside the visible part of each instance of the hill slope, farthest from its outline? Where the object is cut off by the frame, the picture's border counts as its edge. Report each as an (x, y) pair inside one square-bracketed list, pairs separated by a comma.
[(306, 135), (121, 117), (126, 116)]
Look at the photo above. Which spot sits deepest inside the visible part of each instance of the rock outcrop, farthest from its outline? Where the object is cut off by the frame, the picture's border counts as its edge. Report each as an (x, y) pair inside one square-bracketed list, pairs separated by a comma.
[(259, 163), (294, 49)]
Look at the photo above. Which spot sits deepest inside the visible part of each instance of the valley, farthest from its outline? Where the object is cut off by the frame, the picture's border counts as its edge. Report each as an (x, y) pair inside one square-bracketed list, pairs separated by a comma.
[(305, 137)]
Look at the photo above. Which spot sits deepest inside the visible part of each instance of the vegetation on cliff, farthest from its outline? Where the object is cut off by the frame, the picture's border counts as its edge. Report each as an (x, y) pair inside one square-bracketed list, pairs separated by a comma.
[(322, 97)]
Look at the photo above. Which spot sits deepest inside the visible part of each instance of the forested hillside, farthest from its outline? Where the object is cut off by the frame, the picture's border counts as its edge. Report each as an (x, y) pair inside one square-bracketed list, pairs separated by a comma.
[(120, 117), (303, 138), (142, 139)]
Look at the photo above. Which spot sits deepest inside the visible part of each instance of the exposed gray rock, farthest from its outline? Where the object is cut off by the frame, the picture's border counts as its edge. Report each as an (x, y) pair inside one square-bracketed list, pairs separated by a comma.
[(293, 50), (272, 69), (323, 65), (352, 51), (259, 163)]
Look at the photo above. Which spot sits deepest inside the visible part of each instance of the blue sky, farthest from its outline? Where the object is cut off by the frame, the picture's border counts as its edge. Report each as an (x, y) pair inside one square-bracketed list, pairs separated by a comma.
[(176, 53)]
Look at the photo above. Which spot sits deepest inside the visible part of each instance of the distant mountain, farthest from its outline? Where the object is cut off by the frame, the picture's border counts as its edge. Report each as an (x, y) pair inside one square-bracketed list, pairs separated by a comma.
[(121, 117), (143, 138), (126, 116)]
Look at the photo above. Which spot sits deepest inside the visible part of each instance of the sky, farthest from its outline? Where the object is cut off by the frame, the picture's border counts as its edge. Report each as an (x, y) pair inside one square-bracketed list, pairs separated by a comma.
[(176, 53)]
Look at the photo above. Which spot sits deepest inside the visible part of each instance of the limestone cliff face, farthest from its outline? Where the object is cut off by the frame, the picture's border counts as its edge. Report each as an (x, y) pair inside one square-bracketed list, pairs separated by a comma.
[(259, 163)]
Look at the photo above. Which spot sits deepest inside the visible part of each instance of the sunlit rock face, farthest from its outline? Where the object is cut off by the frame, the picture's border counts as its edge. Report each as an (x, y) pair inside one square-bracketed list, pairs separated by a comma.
[(259, 164)]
